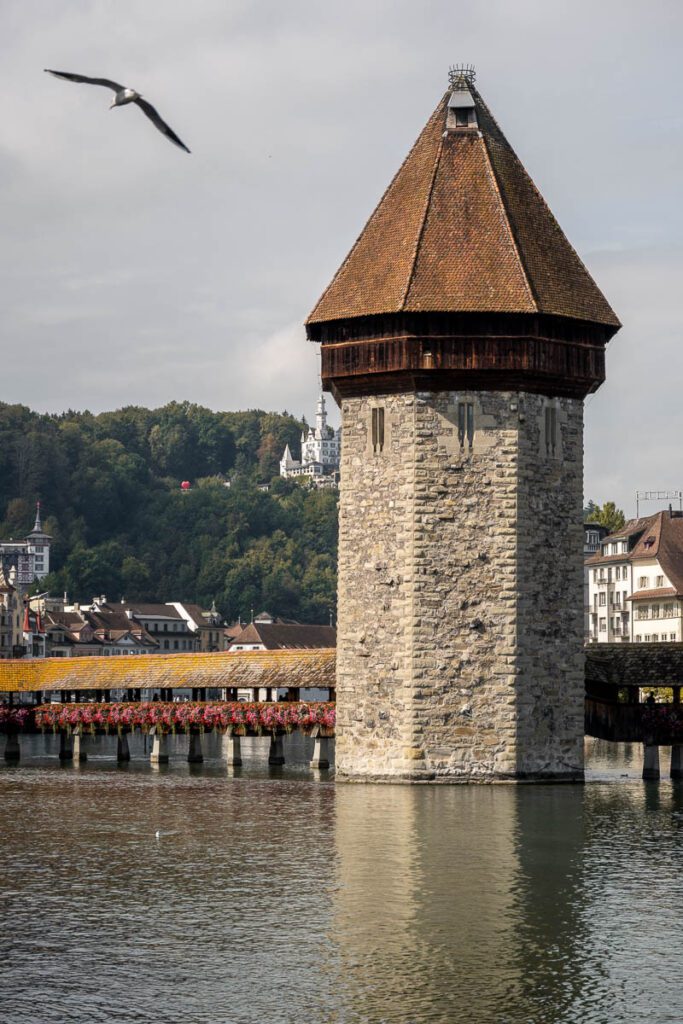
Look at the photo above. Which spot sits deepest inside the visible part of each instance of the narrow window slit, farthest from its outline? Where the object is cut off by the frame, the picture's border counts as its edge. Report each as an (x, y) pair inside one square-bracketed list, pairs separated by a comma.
[(378, 430), (465, 423)]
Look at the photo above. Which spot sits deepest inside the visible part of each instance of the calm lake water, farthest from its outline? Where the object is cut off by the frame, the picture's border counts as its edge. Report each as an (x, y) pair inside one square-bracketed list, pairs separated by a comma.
[(278, 897)]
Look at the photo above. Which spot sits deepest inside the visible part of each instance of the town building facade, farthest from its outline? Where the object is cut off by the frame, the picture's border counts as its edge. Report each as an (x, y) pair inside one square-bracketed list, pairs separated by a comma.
[(111, 629), (11, 642), (206, 626), (593, 534), (30, 557), (636, 582), (277, 636)]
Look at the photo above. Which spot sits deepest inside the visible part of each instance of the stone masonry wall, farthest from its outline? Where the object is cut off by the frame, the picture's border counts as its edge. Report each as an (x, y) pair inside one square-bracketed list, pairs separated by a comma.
[(460, 589)]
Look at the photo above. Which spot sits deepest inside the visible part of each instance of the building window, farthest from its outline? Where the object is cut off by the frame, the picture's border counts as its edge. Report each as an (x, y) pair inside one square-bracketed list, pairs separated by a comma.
[(659, 582), (462, 117), (602, 600), (465, 423), (643, 582), (655, 611), (617, 573), (603, 625), (672, 636), (647, 638), (550, 430), (378, 430), (617, 600), (639, 638), (642, 612)]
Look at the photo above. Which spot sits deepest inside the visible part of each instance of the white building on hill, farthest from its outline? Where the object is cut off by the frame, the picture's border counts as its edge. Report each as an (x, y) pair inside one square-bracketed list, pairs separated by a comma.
[(320, 452)]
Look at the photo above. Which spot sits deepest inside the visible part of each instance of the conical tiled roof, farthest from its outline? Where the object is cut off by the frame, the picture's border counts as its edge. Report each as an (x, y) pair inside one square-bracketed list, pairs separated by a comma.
[(462, 228)]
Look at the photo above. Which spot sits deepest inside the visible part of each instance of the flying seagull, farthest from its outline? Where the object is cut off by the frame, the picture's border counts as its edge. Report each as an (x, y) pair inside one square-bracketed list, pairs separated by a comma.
[(123, 96)]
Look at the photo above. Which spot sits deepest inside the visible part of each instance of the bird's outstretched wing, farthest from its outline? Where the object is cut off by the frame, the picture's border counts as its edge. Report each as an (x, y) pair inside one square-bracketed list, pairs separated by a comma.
[(84, 78), (148, 109)]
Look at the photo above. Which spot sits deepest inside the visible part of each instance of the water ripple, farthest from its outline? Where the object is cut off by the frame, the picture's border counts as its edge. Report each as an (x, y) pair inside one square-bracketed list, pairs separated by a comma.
[(282, 898)]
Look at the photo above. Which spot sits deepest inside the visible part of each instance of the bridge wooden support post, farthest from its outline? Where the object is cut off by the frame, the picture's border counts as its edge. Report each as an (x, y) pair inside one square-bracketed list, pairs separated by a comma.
[(650, 762), (159, 753), (66, 746), (276, 754), (321, 752), (676, 770), (122, 748), (195, 755), (12, 749), (80, 746), (231, 750)]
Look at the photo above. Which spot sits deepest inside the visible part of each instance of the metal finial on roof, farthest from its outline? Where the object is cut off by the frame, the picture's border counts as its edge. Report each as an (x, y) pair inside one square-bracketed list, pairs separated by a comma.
[(461, 75)]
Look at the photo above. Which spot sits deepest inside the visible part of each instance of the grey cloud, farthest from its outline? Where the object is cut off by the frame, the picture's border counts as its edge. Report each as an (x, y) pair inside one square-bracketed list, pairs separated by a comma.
[(137, 273)]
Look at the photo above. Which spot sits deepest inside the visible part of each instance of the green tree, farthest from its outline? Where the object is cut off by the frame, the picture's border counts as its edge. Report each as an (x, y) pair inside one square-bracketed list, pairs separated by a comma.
[(121, 526), (607, 515)]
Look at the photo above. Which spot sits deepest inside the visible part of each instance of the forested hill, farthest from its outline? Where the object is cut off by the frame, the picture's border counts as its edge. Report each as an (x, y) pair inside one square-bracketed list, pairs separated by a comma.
[(110, 491)]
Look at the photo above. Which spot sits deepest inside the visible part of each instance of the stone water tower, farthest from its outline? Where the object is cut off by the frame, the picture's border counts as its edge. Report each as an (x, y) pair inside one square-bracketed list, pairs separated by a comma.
[(460, 337)]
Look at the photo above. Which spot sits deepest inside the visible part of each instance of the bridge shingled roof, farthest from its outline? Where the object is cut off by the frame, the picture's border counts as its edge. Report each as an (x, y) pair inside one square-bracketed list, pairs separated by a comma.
[(283, 668), (644, 665)]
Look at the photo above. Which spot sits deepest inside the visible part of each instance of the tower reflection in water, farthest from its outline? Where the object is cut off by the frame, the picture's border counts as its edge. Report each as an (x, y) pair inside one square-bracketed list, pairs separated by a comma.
[(457, 903)]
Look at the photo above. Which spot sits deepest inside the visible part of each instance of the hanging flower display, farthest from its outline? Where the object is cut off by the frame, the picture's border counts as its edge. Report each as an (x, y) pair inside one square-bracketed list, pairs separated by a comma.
[(223, 716), (662, 722), (13, 719)]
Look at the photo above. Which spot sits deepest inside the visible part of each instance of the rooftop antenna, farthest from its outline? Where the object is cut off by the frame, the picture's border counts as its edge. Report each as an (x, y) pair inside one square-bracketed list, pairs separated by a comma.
[(658, 496)]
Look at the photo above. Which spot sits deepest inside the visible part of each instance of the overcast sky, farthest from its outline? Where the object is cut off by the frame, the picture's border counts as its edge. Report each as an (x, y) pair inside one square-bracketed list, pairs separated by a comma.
[(134, 273)]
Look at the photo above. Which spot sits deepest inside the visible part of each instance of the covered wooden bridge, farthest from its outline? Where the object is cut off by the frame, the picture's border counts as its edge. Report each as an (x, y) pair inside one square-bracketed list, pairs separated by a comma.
[(633, 695), (117, 695)]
